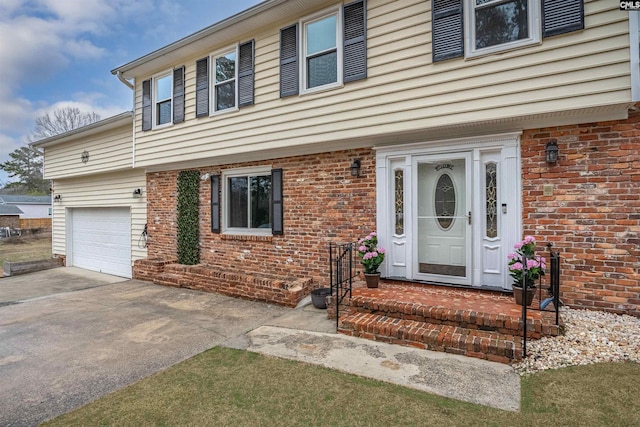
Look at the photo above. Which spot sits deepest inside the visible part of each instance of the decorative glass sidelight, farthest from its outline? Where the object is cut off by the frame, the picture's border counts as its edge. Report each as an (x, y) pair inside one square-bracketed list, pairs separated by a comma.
[(399, 201), (491, 196)]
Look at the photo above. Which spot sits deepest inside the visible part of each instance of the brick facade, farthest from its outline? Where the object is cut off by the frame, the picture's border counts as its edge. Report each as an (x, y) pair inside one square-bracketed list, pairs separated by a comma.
[(593, 216), (322, 203), (11, 221)]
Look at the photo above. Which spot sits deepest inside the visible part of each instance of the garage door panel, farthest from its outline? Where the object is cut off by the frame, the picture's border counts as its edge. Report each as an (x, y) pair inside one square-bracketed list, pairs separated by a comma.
[(101, 240)]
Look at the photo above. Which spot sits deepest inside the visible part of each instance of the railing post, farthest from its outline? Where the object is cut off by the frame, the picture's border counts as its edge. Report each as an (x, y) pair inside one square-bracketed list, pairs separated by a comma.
[(525, 284)]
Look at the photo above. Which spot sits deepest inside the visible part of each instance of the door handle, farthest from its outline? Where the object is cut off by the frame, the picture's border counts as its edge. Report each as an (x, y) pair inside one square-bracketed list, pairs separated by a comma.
[(469, 216)]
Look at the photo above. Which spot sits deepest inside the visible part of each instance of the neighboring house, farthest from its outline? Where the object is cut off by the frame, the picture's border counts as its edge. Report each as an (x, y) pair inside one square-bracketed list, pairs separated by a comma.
[(98, 216), (444, 108), (32, 207), (9, 216)]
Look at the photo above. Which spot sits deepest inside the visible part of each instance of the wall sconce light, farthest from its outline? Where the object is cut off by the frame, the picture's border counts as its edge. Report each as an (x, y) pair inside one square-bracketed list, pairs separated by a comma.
[(57, 198), (355, 168), (137, 193), (551, 151)]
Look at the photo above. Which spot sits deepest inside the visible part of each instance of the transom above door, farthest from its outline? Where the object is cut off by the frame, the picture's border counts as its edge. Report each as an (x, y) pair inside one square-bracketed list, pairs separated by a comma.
[(449, 217)]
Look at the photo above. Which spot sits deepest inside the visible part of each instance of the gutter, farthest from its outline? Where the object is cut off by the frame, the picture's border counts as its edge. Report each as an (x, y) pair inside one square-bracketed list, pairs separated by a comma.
[(123, 80)]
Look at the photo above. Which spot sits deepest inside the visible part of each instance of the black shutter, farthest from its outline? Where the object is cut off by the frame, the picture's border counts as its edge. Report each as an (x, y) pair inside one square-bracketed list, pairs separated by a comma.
[(277, 220), (178, 95), (289, 61), (245, 74), (562, 16), (202, 87), (215, 203), (447, 29), (146, 105), (355, 41)]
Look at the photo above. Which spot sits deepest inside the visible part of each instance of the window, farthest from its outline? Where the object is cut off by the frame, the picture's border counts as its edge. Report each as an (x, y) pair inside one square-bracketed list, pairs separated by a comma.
[(321, 38), (251, 202), (496, 25), (162, 99), (478, 27), (229, 84), (224, 86), (324, 50)]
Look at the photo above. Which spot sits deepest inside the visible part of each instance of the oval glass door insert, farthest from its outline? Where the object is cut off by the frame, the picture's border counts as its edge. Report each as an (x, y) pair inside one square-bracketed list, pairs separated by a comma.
[(445, 201)]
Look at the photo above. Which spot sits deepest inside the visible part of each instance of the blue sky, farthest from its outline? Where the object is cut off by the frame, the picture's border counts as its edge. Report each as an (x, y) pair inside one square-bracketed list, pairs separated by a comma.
[(58, 53)]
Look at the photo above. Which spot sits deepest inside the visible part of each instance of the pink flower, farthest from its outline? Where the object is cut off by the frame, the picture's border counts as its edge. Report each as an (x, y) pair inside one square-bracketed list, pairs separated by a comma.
[(518, 246), (516, 266), (362, 248), (529, 239), (531, 263), (368, 255), (381, 250), (511, 256), (373, 233)]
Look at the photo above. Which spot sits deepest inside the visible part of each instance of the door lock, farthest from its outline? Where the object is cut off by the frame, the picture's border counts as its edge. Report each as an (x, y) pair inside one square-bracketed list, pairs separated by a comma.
[(469, 216)]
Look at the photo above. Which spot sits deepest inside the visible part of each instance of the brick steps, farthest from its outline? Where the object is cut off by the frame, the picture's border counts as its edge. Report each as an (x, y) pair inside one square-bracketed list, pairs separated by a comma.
[(488, 345)]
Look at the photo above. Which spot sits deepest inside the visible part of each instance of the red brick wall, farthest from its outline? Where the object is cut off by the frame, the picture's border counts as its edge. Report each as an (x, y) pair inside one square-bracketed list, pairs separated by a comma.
[(593, 216), (322, 203)]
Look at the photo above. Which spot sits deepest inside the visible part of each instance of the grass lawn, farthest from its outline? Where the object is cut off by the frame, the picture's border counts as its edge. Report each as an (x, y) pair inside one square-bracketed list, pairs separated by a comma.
[(225, 387), (25, 248)]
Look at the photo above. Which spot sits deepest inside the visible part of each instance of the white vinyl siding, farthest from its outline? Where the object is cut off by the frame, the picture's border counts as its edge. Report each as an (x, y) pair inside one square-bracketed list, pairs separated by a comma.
[(110, 150), (559, 80), (101, 191)]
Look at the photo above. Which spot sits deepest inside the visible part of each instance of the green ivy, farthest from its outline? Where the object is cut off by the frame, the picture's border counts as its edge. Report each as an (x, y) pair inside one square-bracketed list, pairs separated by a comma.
[(188, 196)]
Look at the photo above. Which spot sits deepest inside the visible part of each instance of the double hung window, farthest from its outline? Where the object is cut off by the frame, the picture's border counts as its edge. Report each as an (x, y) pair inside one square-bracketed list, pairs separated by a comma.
[(224, 87), (162, 99), (322, 36)]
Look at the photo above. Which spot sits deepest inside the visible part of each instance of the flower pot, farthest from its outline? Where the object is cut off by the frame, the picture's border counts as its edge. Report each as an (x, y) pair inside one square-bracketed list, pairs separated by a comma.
[(319, 297), (517, 294), (372, 279)]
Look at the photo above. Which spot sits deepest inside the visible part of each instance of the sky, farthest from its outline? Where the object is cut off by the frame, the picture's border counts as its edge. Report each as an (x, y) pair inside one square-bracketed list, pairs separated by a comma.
[(60, 53)]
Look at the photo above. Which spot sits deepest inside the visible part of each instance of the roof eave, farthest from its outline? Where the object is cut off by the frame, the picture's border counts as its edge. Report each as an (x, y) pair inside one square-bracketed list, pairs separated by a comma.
[(100, 126)]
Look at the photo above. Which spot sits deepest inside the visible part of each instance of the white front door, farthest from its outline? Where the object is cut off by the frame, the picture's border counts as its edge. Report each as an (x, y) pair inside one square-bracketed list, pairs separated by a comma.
[(442, 247), (449, 213)]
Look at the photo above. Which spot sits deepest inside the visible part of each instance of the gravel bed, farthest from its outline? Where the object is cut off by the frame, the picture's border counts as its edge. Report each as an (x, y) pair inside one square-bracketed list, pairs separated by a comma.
[(590, 337)]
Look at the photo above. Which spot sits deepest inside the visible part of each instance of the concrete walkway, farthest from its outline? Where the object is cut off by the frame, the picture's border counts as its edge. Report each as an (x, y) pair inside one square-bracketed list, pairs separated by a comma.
[(76, 344)]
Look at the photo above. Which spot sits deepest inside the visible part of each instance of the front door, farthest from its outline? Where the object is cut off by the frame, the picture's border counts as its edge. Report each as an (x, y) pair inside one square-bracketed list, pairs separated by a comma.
[(442, 247)]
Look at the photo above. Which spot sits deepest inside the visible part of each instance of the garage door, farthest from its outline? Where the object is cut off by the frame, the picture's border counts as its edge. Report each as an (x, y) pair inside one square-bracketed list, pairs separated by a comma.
[(101, 240)]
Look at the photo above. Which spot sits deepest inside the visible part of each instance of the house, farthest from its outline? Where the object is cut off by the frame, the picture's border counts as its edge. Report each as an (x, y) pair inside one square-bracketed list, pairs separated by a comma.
[(35, 211), (9, 217), (451, 127), (99, 207)]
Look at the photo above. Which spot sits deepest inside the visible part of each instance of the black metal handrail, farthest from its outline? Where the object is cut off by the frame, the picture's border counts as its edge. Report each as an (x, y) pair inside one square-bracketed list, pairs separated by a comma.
[(342, 272), (553, 289)]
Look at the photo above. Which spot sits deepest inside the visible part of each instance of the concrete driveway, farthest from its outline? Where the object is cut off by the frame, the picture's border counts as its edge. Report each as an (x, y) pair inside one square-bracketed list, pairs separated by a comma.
[(69, 336)]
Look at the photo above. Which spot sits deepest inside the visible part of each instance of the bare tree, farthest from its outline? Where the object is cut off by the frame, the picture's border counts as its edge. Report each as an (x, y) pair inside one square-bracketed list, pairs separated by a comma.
[(26, 163), (63, 120)]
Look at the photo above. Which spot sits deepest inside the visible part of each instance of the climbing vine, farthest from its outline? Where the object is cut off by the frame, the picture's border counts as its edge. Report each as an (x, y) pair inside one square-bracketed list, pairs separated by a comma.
[(188, 196)]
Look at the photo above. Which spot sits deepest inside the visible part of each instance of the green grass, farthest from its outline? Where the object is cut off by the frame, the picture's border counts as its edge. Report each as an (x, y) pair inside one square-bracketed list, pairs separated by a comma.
[(225, 387), (25, 248)]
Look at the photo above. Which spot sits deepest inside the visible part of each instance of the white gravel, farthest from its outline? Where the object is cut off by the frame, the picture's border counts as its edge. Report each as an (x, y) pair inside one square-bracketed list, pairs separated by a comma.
[(590, 337)]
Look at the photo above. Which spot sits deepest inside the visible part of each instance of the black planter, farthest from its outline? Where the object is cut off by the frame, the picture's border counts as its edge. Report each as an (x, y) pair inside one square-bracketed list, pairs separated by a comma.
[(319, 297)]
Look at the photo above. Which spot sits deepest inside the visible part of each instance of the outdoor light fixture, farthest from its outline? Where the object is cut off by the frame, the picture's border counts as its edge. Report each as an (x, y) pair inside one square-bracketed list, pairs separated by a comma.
[(137, 193), (355, 167), (57, 198), (551, 151)]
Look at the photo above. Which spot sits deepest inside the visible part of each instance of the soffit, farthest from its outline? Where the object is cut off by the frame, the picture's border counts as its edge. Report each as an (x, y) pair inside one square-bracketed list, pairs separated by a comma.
[(229, 30)]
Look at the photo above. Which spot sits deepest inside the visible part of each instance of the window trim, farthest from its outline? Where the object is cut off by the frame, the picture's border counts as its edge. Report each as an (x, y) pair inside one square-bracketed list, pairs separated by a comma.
[(535, 33), (302, 27), (241, 172), (154, 99), (212, 79)]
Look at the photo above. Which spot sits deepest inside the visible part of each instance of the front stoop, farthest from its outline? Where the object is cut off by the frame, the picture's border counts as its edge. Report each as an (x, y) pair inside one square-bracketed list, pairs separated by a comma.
[(442, 319)]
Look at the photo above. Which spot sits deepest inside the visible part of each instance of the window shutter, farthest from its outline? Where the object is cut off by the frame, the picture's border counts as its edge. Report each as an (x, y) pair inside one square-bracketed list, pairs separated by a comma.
[(178, 95), (146, 105), (215, 203), (289, 61), (202, 87), (447, 32), (277, 221), (245, 74), (562, 16), (355, 41)]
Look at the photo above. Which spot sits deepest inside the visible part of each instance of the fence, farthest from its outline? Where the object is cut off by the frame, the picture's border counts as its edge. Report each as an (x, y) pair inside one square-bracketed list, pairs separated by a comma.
[(342, 272)]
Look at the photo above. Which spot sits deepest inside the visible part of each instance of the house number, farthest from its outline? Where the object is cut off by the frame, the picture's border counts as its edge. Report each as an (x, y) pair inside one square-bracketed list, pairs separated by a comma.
[(444, 166)]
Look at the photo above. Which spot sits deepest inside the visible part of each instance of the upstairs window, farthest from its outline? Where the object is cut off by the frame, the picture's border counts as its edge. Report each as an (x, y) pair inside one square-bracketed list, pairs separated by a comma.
[(321, 55), (225, 92), (162, 99), (496, 25)]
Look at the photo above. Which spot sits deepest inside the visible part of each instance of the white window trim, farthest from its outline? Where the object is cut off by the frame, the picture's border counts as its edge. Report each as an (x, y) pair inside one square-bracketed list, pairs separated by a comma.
[(154, 100), (240, 172), (470, 51), (303, 50), (212, 79)]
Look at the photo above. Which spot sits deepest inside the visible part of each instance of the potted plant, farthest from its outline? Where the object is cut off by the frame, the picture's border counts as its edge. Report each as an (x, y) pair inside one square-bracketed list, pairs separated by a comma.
[(525, 268), (371, 257)]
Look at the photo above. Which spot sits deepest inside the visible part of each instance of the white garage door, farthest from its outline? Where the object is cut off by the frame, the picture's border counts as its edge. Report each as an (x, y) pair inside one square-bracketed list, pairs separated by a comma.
[(101, 240)]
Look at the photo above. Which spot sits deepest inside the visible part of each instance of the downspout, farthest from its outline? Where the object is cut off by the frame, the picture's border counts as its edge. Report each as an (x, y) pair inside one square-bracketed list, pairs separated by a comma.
[(133, 130)]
